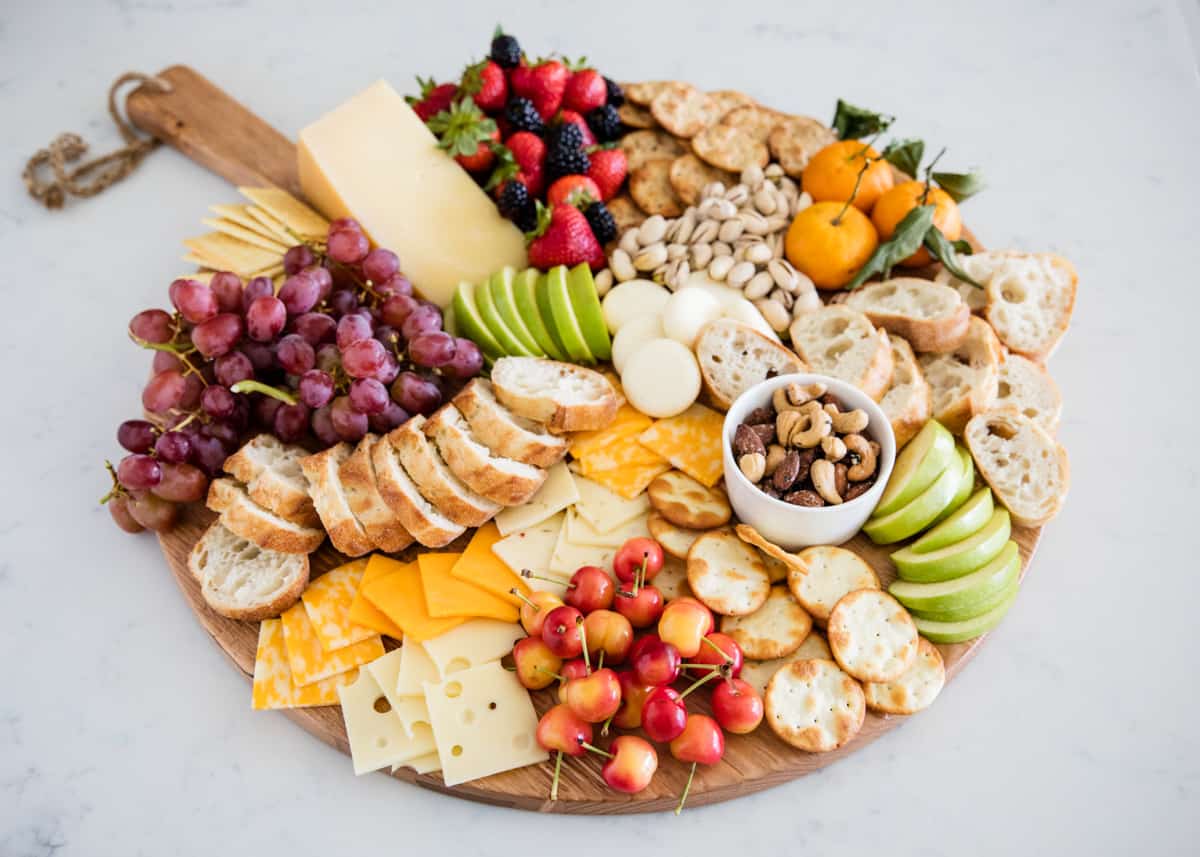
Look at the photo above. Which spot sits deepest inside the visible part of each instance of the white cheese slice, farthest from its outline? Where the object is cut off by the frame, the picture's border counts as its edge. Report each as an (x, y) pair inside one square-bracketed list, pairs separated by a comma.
[(412, 713), (568, 557), (604, 509), (377, 738), (373, 159), (580, 532), (410, 709), (472, 644), (416, 668), (425, 764), (557, 493), (531, 549), (484, 723)]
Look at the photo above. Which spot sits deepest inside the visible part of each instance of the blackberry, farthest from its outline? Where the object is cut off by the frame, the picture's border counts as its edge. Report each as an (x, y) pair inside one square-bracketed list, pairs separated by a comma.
[(616, 95), (565, 135), (562, 161), (516, 204), (506, 51), (523, 116), (601, 220), (605, 123)]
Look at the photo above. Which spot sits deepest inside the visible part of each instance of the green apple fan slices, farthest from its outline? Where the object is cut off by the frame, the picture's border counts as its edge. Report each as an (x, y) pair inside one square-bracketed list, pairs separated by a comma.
[(957, 632), (922, 510), (490, 313), (921, 461), (963, 597), (525, 296), (959, 558), (500, 289)]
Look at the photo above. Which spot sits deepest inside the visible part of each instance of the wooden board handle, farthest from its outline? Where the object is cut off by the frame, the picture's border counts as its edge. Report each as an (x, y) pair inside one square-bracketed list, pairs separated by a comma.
[(205, 123)]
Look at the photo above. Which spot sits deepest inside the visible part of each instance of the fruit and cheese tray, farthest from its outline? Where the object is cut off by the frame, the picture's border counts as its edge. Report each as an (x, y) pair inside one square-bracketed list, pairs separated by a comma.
[(571, 443)]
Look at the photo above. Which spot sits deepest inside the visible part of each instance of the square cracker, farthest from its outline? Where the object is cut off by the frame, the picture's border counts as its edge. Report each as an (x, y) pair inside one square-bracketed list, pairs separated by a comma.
[(294, 214), (225, 253)]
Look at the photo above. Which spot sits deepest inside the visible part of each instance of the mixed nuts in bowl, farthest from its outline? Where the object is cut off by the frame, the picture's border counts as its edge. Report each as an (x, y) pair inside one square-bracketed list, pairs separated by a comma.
[(806, 459)]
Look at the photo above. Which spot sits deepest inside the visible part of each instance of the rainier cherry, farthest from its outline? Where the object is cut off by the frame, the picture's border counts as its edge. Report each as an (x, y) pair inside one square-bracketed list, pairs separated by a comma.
[(718, 650), (638, 561), (561, 730), (663, 714), (537, 666), (608, 634), (595, 697), (656, 663), (590, 589), (631, 763), (534, 608), (570, 671), (683, 623), (633, 697), (737, 706), (700, 743), (642, 608), (561, 631)]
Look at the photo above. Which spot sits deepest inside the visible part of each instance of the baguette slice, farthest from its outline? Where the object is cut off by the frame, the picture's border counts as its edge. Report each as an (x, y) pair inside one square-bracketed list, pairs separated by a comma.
[(1029, 302), (908, 402), (734, 357), (1027, 387), (980, 267), (427, 525), (362, 494), (257, 524), (501, 480), (433, 478), (240, 580), (503, 432), (562, 396), (330, 500), (931, 316), (964, 382), (842, 342), (271, 472), (1027, 470)]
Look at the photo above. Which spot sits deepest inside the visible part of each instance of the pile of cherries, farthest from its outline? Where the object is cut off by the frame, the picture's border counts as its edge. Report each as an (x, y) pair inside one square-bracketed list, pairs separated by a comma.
[(586, 642)]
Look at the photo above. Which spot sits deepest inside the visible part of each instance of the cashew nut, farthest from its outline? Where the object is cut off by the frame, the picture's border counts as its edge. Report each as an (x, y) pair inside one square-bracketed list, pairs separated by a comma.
[(809, 427), (775, 454), (868, 459), (791, 396), (823, 479), (848, 422), (833, 448), (752, 465)]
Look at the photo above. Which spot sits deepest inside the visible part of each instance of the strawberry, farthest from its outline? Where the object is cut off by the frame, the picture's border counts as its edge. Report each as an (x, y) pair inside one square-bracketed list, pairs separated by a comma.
[(570, 116), (529, 153), (543, 84), (608, 169), (586, 90), (571, 190), (486, 83), (563, 237), (434, 98), (467, 134)]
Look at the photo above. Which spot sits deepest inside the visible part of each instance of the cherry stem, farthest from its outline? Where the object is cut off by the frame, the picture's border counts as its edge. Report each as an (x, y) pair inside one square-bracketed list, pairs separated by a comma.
[(249, 385), (697, 666), (587, 662), (607, 723), (557, 770), (728, 657), (593, 748), (559, 580), (525, 598), (687, 787), (600, 660), (711, 675), (639, 579)]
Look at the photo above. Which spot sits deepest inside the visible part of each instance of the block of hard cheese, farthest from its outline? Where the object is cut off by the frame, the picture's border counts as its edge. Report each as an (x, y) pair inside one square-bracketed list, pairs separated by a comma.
[(373, 159)]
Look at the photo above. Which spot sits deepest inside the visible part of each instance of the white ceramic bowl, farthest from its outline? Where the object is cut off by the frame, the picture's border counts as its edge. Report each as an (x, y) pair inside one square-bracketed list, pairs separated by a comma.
[(793, 527)]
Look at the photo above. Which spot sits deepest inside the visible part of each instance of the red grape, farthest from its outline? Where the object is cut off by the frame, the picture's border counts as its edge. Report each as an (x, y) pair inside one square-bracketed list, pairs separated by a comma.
[(152, 512), (294, 355), (397, 285), (425, 318), (139, 472), (227, 287), (315, 327), (291, 422), (388, 335), (352, 328), (174, 288), (265, 318), (164, 360), (431, 349), (368, 396), (392, 417), (195, 301), (389, 370), (224, 433), (264, 410), (173, 447), (329, 358), (193, 389), (315, 388), (136, 435), (363, 358), (343, 302), (230, 368), (299, 293), (163, 392), (297, 258), (415, 394), (349, 424), (380, 265), (344, 223), (218, 335), (322, 426), (323, 279), (181, 483), (152, 325), (348, 247), (397, 308), (118, 507), (208, 453), (218, 402), (259, 287), (467, 361), (261, 357)]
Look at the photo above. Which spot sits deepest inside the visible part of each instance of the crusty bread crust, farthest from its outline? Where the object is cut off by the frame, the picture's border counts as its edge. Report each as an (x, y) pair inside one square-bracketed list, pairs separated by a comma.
[(377, 518), (243, 517), (734, 357), (501, 480), (1029, 451), (839, 323), (908, 401), (205, 552), (331, 503), (267, 485), (925, 332), (1054, 312), (436, 482), (545, 404), (981, 354), (502, 431), (427, 525)]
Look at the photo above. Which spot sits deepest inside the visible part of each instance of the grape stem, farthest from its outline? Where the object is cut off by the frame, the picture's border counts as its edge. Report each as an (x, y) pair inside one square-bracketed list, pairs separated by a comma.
[(180, 352), (117, 490), (251, 386)]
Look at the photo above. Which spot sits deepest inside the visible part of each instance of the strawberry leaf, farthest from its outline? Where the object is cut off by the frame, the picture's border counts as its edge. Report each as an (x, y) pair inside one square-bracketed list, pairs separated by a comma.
[(472, 78), (462, 128), (506, 167), (543, 223)]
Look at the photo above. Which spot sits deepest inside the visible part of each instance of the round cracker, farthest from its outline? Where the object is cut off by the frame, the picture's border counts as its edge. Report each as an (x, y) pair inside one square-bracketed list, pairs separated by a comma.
[(759, 673), (915, 690), (825, 575), (772, 631), (643, 93), (636, 117), (686, 503), (726, 574), (642, 146), (754, 119), (776, 570), (625, 212), (730, 148), (683, 110), (795, 139), (650, 187), (872, 636), (676, 541), (671, 579), (814, 706), (728, 100), (689, 175)]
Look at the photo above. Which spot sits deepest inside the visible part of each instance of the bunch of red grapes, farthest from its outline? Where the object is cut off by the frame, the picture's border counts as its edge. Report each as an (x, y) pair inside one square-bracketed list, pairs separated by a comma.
[(343, 347)]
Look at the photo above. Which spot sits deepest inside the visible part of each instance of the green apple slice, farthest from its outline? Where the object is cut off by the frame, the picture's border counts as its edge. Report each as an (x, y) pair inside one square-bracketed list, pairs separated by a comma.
[(586, 305), (966, 486), (918, 513), (490, 314), (969, 518), (500, 288), (919, 463), (968, 629), (525, 297), (469, 323), (959, 558), (554, 297), (963, 597)]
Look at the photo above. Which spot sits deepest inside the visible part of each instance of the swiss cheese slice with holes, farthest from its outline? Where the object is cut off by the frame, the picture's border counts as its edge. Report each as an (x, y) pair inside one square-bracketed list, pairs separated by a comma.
[(759, 673), (872, 636), (308, 661), (273, 686), (376, 737), (829, 573), (328, 600), (472, 644), (416, 668), (691, 441), (410, 709), (772, 631)]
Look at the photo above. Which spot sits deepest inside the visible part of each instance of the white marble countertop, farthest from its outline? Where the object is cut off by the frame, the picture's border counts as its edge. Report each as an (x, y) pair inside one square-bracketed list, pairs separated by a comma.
[(124, 731)]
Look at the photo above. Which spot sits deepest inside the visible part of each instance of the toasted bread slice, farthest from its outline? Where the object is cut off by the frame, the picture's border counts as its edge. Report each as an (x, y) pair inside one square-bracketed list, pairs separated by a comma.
[(241, 580), (257, 524), (505, 433), (842, 342), (734, 357), (362, 494), (270, 469), (501, 480), (427, 525), (1028, 472), (964, 382), (1027, 387), (931, 316), (562, 396), (329, 498), (434, 479), (1030, 299), (908, 401)]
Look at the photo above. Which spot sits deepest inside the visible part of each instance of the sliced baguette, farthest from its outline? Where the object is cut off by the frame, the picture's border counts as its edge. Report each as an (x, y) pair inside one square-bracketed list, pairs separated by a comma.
[(1028, 472), (501, 480), (362, 494), (434, 479), (931, 316), (964, 382), (562, 396), (257, 524), (1027, 387), (1029, 302), (842, 342), (332, 505), (908, 402), (241, 580), (734, 357), (270, 469), (979, 267), (427, 525), (505, 433)]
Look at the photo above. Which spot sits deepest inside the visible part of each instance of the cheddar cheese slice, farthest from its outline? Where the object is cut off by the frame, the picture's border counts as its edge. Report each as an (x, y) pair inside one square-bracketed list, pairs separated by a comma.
[(628, 421), (691, 441), (328, 599), (478, 565), (402, 599), (311, 663), (273, 685), (446, 595), (362, 611)]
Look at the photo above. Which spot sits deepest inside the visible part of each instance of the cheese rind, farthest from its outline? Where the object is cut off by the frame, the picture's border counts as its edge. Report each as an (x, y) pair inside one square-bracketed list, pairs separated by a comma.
[(557, 493), (373, 159)]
